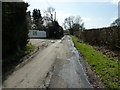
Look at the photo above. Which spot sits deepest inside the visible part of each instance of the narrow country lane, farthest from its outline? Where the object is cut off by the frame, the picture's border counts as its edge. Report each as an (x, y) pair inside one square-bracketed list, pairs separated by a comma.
[(56, 66), (32, 74), (68, 71)]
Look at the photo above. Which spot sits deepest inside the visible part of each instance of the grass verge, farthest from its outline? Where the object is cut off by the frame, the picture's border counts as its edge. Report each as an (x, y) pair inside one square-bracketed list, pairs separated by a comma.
[(29, 48), (106, 68)]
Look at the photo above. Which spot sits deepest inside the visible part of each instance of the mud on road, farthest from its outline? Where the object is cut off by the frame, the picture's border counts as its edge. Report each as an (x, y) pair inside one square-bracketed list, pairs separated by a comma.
[(55, 66)]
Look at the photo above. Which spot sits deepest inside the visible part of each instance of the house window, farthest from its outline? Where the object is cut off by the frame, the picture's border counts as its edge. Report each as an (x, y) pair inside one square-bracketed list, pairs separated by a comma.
[(34, 32)]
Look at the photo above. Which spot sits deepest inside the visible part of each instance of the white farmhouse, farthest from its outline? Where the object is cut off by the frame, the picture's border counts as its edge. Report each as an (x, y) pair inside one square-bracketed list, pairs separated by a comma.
[(36, 34)]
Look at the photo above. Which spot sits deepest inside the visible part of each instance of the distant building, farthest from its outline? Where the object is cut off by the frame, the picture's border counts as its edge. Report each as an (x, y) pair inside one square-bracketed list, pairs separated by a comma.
[(36, 34)]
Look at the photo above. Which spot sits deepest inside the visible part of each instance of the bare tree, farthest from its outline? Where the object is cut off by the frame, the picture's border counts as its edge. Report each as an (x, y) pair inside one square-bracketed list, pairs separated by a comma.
[(116, 22), (73, 23), (78, 20), (48, 17)]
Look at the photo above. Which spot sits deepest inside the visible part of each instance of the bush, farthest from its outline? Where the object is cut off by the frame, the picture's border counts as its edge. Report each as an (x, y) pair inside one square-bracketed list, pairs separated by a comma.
[(109, 37), (54, 30)]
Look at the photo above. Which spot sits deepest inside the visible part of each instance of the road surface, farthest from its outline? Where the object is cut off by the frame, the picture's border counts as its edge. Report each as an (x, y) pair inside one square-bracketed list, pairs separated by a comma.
[(55, 66)]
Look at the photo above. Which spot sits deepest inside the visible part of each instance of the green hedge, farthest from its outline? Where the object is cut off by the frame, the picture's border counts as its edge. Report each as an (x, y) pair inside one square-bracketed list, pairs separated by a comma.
[(109, 37), (14, 27)]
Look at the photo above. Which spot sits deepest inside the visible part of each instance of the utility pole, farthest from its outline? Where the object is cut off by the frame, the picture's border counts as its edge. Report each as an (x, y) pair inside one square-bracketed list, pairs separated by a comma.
[(55, 17)]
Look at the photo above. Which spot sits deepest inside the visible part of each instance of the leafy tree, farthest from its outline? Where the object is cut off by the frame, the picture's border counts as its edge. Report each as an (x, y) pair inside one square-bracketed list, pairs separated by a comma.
[(53, 29), (37, 19), (14, 27), (29, 20), (76, 27)]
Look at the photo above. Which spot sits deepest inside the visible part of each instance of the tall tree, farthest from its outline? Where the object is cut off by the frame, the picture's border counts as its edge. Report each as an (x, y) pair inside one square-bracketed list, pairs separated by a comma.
[(69, 21), (54, 30), (49, 13), (37, 19), (29, 19), (73, 24), (14, 35)]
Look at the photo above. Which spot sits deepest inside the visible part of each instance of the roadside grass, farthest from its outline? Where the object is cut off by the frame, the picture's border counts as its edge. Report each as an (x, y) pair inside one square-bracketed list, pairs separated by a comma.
[(106, 68), (29, 49), (66, 34), (9, 62)]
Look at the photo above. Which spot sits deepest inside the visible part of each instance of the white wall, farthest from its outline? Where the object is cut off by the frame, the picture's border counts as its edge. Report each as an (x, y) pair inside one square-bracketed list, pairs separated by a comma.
[(36, 34)]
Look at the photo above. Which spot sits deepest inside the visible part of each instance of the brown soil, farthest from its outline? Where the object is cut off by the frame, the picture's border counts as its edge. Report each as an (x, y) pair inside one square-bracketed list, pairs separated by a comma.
[(107, 52)]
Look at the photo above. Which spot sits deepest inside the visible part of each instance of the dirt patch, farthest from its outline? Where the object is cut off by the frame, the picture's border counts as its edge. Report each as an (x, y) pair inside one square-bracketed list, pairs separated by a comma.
[(109, 53), (92, 76)]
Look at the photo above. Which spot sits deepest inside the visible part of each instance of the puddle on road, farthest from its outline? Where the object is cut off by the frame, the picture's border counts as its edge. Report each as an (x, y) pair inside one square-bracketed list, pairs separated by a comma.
[(73, 73)]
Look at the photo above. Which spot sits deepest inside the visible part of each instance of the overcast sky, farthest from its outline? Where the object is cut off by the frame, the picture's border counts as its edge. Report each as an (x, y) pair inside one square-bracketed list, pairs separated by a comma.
[(94, 13)]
